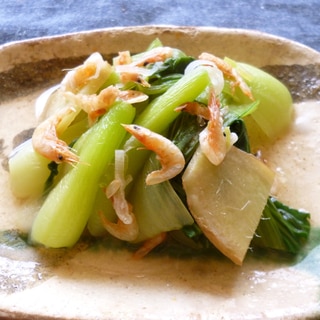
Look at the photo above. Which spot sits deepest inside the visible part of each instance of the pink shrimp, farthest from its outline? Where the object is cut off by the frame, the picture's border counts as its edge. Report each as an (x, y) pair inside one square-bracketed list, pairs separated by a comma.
[(45, 139), (121, 230), (229, 72), (149, 245), (212, 139), (154, 55), (126, 228), (130, 70), (124, 57), (169, 155), (96, 105), (196, 109), (93, 69)]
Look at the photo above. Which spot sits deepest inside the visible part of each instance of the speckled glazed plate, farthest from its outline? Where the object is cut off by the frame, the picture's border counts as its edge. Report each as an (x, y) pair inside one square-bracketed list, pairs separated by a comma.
[(101, 282)]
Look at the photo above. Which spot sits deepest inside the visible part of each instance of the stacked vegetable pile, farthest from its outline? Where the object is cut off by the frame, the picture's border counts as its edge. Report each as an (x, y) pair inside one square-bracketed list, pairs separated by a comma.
[(159, 144)]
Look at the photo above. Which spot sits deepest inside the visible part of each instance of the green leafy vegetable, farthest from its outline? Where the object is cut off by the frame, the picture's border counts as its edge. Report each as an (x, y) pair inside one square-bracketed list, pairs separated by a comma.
[(160, 113), (204, 206), (157, 207), (282, 228), (274, 113), (22, 177), (65, 212)]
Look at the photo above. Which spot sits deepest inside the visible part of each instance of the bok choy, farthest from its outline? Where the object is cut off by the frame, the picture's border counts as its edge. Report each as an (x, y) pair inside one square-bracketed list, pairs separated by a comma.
[(162, 91)]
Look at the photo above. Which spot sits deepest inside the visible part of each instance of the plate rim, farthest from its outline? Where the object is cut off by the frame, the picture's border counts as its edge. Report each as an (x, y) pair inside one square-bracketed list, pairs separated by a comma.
[(12, 50), (16, 46)]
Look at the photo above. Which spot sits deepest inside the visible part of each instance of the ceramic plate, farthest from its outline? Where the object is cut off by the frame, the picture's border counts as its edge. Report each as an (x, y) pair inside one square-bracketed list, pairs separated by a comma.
[(103, 282)]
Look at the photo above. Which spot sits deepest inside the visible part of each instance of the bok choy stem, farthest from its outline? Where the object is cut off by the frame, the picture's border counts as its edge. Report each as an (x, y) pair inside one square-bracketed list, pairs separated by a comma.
[(160, 113), (65, 212)]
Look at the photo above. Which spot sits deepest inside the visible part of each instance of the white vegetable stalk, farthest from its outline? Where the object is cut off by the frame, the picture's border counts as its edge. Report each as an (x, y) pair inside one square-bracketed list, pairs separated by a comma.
[(216, 75)]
